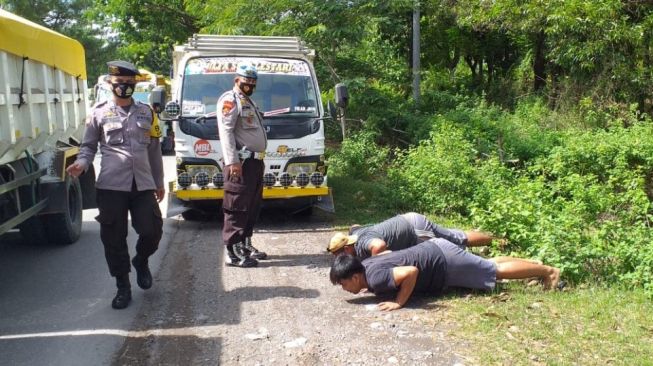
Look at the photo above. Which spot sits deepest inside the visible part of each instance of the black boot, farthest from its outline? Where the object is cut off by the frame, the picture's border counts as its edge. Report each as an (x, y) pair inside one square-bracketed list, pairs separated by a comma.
[(236, 255), (124, 295), (253, 252), (143, 275)]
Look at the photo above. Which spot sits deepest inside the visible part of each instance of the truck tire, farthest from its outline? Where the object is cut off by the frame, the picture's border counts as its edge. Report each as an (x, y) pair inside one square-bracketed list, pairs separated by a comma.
[(194, 215), (203, 212), (66, 227), (33, 232)]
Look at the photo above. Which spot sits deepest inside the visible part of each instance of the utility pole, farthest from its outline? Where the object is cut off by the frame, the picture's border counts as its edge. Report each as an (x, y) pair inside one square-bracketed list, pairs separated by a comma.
[(416, 52)]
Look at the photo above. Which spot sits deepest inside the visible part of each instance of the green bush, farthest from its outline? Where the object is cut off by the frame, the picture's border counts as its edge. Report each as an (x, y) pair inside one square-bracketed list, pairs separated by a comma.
[(437, 176), (359, 157), (584, 207), (578, 199)]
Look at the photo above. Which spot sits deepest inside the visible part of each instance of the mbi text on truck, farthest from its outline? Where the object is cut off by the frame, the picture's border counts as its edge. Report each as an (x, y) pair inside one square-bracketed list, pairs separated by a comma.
[(43, 104), (288, 96)]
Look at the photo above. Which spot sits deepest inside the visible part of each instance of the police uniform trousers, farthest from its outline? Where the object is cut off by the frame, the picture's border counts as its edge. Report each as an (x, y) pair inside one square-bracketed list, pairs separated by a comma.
[(242, 201), (146, 220)]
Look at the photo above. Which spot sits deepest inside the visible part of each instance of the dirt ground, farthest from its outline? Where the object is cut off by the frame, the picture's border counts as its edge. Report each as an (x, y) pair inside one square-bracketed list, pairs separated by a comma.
[(284, 312)]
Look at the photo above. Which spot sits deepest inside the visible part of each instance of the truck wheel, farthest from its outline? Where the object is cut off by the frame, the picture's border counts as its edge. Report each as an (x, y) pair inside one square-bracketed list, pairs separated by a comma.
[(33, 232), (65, 227), (194, 215)]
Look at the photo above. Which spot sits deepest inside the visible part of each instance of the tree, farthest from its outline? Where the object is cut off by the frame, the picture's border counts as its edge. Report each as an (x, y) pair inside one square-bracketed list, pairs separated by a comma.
[(146, 30)]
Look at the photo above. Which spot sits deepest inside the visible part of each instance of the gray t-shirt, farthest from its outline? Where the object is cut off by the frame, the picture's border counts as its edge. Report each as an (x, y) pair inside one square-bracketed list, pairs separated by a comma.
[(397, 233), (426, 256)]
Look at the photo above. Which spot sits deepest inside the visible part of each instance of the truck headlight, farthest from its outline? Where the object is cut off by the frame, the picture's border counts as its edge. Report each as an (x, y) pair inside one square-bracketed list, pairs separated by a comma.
[(317, 179), (295, 168), (184, 180), (218, 180), (302, 179), (202, 179), (269, 179), (285, 179)]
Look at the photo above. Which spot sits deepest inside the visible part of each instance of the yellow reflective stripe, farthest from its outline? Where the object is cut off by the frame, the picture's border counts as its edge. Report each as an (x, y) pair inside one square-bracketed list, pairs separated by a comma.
[(27, 39), (268, 193)]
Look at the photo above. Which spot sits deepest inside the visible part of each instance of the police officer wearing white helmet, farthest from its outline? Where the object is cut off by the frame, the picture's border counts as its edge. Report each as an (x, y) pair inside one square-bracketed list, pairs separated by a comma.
[(130, 180), (243, 141)]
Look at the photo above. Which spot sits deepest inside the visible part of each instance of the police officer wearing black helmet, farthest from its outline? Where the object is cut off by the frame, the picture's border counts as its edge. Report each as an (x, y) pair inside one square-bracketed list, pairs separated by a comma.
[(130, 180)]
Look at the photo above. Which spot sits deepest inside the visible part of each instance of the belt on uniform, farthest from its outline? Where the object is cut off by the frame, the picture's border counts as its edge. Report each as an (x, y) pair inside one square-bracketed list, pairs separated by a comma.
[(246, 154)]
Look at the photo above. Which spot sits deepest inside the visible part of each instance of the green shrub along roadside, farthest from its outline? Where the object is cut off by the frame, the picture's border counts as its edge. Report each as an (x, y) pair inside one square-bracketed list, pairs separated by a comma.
[(576, 199)]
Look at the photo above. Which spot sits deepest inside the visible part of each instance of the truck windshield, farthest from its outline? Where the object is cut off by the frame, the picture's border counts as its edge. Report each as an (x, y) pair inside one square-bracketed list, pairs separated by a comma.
[(284, 87)]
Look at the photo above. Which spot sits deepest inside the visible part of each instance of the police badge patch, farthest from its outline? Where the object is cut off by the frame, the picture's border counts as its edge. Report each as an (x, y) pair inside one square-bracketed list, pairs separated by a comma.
[(227, 106)]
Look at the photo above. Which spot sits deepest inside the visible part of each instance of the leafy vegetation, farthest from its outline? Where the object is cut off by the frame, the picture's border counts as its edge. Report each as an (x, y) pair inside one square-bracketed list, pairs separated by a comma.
[(578, 199), (533, 120), (586, 326)]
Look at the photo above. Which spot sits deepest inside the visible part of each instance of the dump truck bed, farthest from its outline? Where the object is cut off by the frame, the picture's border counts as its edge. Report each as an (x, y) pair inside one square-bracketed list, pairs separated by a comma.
[(43, 92)]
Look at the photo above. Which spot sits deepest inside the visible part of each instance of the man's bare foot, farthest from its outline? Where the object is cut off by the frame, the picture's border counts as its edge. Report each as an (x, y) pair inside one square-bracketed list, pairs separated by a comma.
[(550, 282)]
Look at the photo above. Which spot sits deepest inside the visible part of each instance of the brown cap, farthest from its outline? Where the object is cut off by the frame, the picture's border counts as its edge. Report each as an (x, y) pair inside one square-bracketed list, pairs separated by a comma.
[(340, 240)]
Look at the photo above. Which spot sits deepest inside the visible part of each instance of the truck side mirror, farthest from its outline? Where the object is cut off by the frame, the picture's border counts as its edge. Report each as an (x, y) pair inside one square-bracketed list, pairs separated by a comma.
[(172, 110), (158, 98), (333, 113), (342, 96)]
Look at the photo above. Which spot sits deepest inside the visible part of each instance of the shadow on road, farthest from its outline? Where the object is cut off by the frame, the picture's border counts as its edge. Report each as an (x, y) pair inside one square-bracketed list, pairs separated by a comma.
[(295, 260), (263, 293), (417, 301)]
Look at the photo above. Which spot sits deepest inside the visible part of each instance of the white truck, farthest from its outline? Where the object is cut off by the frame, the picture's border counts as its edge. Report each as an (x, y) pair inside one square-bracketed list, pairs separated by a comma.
[(288, 95), (43, 106)]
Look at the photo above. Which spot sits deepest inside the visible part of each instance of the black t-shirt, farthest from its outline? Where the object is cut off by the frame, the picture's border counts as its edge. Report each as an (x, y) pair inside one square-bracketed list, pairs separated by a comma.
[(397, 233), (426, 256)]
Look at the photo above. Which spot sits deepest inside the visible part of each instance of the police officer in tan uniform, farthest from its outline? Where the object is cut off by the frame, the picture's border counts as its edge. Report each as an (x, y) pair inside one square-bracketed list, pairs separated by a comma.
[(243, 141), (130, 180)]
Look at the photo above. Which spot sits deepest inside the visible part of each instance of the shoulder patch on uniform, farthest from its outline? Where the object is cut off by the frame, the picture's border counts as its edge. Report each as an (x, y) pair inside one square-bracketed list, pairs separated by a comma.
[(228, 106)]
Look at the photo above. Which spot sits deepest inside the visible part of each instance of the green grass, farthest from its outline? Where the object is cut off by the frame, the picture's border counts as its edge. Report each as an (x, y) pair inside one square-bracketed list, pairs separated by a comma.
[(519, 325), (581, 326), (361, 202), (364, 202)]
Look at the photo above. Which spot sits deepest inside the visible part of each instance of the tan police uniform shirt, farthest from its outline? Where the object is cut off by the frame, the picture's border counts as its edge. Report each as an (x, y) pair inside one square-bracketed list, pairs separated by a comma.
[(239, 125), (129, 144)]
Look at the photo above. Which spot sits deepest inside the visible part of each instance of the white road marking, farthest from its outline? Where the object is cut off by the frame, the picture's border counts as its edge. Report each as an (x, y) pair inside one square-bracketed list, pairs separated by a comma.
[(211, 331)]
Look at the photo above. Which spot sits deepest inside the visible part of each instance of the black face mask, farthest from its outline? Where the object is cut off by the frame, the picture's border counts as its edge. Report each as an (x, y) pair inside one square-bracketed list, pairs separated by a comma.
[(246, 88), (123, 90)]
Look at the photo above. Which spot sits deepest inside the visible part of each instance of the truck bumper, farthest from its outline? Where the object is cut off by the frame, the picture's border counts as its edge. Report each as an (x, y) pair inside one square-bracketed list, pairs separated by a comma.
[(180, 200)]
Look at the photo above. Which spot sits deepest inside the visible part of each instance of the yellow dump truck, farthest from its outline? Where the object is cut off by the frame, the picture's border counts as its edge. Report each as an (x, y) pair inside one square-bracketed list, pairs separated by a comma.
[(43, 106)]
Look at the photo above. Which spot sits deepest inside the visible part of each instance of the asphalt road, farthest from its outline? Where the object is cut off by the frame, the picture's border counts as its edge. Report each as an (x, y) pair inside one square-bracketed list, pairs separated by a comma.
[(55, 301), (55, 304)]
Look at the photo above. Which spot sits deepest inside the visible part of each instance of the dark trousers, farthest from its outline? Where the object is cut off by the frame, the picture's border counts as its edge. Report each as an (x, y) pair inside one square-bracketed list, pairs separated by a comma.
[(242, 201), (146, 220)]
